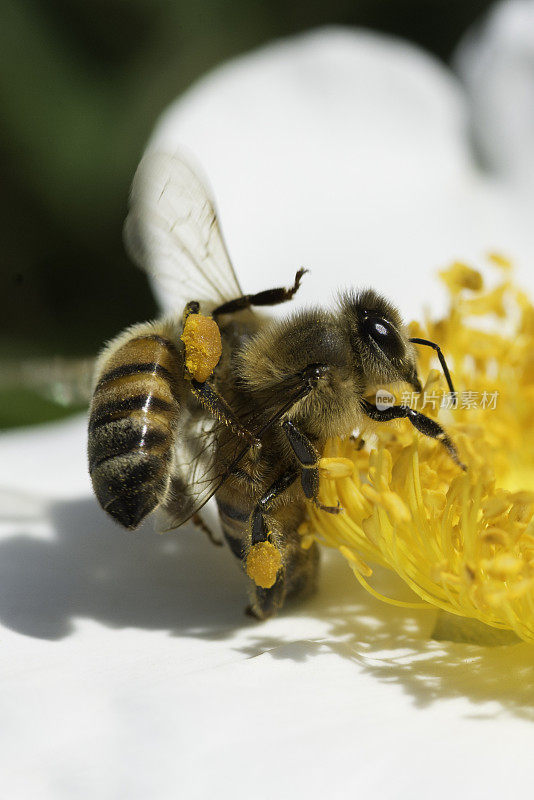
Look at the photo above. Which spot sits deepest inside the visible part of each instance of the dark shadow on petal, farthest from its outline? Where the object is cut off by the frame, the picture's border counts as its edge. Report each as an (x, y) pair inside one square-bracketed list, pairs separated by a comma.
[(394, 645), (93, 569), (180, 583)]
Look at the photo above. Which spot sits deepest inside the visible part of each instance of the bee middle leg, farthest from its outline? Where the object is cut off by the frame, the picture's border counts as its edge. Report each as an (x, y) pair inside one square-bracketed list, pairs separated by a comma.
[(308, 458), (269, 297)]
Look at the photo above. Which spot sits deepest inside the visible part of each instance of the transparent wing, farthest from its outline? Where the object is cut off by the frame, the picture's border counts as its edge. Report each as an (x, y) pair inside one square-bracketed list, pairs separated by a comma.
[(205, 452), (173, 233)]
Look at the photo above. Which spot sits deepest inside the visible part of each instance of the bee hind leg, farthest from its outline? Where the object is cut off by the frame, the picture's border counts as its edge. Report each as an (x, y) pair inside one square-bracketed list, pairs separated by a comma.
[(217, 406), (296, 580), (260, 531), (278, 566), (269, 297)]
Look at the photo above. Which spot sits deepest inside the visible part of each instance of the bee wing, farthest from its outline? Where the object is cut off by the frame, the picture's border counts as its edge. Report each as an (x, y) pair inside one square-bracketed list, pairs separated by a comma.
[(204, 453), (206, 450), (173, 233)]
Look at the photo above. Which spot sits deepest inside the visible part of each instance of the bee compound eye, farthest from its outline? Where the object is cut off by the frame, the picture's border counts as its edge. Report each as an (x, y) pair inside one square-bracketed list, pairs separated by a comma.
[(384, 335)]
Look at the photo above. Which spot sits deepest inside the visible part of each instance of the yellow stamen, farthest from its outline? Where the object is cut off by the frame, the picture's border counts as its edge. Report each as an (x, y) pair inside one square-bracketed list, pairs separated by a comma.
[(462, 541), (500, 261), (335, 467)]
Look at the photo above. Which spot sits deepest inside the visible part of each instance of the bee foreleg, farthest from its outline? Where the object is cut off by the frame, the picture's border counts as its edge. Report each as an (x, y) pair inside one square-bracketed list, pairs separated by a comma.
[(425, 425), (308, 459), (269, 297)]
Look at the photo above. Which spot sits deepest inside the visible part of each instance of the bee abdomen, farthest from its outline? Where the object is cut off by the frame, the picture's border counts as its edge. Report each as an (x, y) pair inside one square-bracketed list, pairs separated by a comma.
[(131, 427)]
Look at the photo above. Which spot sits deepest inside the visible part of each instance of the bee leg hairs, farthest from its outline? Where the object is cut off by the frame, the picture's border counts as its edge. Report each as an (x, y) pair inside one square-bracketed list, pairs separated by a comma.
[(423, 424), (269, 297), (308, 459)]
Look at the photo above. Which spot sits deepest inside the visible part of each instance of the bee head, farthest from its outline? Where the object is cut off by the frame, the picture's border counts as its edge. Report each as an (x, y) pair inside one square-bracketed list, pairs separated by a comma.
[(379, 340)]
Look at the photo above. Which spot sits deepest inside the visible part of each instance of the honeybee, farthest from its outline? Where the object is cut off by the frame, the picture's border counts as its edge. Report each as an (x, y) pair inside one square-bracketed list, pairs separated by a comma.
[(247, 427)]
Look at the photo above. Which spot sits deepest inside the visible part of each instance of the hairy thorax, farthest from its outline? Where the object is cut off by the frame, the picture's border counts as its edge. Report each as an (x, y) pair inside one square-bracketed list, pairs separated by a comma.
[(270, 364)]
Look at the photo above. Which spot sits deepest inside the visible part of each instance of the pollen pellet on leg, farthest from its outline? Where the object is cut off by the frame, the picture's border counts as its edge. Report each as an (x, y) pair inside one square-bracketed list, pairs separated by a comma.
[(263, 563), (203, 347)]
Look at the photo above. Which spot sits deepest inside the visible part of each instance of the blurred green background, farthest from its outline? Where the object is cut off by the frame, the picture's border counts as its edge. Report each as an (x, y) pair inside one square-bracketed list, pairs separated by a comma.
[(81, 86)]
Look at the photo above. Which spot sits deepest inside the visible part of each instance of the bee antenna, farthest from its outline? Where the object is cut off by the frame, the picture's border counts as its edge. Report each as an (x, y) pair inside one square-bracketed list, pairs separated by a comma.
[(442, 361)]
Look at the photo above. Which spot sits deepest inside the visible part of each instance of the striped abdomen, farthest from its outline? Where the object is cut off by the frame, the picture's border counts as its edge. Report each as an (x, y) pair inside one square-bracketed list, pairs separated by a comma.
[(235, 522), (131, 427)]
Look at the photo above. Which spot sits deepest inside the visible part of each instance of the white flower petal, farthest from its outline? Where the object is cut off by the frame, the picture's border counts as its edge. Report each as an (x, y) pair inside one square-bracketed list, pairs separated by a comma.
[(128, 669), (348, 153), (496, 61)]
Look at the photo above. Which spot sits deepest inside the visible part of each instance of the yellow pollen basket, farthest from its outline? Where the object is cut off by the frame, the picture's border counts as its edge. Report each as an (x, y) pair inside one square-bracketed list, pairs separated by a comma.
[(263, 563), (203, 347), (462, 541)]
